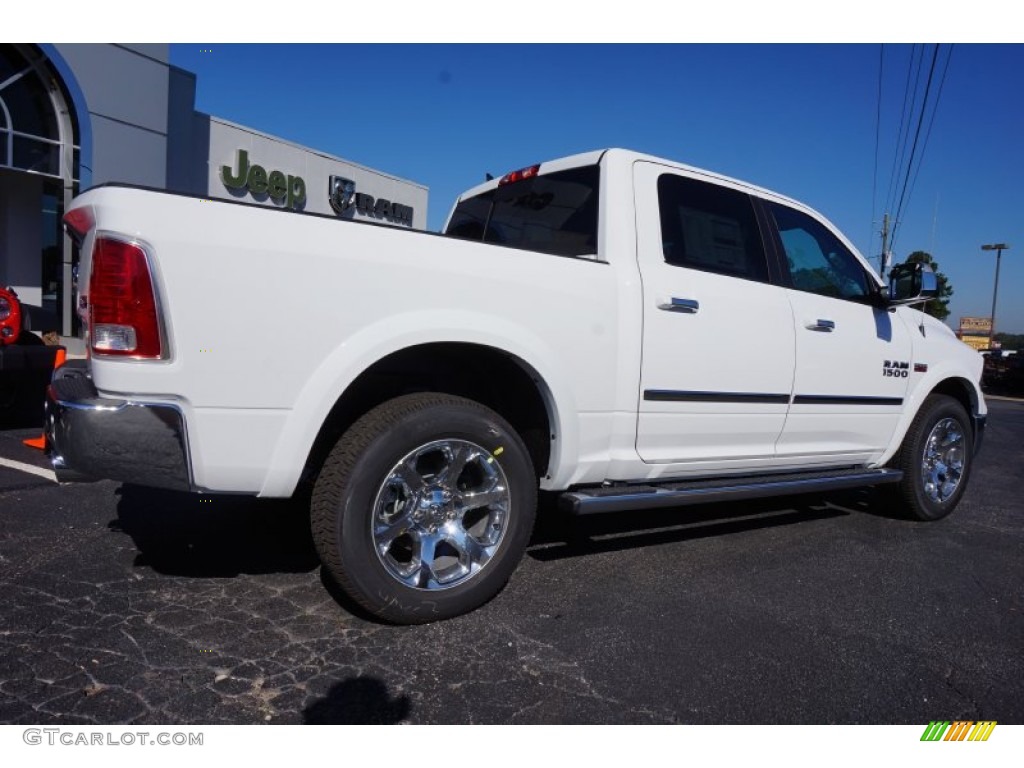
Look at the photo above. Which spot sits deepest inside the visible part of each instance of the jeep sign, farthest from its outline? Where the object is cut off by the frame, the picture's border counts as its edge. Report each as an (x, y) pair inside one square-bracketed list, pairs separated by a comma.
[(287, 190)]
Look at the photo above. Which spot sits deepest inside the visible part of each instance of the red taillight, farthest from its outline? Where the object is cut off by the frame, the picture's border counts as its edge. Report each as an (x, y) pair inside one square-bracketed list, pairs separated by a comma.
[(79, 222), (123, 317), (522, 173)]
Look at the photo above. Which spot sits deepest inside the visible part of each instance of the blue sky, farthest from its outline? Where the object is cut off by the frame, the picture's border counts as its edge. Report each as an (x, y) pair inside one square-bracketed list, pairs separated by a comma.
[(798, 119)]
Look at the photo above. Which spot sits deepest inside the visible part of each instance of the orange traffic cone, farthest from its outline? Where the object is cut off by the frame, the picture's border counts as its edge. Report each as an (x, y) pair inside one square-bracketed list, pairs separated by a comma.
[(40, 442)]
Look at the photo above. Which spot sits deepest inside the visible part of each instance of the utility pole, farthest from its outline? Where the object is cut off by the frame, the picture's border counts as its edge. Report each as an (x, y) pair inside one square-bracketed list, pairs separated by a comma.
[(998, 248), (884, 260)]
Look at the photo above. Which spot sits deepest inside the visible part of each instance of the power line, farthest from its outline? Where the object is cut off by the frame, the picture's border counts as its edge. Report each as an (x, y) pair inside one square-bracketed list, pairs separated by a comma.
[(913, 150), (931, 122), (878, 125), (905, 113)]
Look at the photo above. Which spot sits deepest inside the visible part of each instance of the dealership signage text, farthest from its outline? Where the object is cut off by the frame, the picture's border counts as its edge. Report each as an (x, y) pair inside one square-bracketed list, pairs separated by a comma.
[(289, 190), (342, 195)]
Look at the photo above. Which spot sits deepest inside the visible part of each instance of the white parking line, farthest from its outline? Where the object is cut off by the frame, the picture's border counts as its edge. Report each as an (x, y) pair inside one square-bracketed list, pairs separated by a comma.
[(32, 470)]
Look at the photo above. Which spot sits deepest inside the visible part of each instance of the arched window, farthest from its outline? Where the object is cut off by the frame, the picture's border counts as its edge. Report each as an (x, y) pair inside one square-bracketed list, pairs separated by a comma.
[(30, 128), (39, 165)]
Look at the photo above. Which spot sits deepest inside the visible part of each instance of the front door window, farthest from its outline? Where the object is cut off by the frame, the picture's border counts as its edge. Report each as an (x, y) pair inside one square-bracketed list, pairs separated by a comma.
[(818, 262)]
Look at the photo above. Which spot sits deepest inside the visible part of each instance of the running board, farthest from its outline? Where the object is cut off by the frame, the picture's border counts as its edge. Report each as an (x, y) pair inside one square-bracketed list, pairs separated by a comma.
[(618, 498)]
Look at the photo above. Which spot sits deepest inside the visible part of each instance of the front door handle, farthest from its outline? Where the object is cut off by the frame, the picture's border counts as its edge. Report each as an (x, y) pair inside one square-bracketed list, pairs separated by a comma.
[(686, 306), (822, 325)]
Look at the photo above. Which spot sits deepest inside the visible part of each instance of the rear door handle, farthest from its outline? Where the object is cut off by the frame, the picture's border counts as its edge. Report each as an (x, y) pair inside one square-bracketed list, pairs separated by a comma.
[(822, 325), (686, 306)]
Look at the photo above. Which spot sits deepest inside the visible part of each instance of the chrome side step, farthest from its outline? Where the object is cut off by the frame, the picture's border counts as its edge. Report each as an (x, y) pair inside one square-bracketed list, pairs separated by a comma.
[(618, 498)]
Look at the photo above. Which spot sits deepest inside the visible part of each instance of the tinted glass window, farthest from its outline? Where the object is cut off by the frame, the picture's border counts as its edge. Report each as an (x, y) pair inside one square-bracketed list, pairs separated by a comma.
[(29, 105), (711, 228), (11, 62), (554, 213), (818, 262), (35, 155)]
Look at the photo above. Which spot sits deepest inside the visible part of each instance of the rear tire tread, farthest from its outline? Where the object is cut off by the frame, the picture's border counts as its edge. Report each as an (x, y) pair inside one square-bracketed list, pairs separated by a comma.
[(336, 474)]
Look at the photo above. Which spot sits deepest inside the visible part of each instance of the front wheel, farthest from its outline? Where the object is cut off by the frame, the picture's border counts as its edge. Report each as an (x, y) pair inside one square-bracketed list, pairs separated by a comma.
[(424, 507), (935, 457)]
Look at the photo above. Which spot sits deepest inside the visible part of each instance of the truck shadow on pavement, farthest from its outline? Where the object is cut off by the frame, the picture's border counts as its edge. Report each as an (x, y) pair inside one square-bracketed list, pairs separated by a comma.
[(219, 535), (558, 536), (215, 535)]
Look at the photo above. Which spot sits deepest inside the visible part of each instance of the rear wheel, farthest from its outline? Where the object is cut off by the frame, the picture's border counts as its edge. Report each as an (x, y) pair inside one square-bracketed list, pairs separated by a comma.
[(935, 457), (424, 507)]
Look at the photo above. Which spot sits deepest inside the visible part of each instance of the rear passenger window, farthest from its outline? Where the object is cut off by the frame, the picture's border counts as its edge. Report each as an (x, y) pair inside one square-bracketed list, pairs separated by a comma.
[(711, 228)]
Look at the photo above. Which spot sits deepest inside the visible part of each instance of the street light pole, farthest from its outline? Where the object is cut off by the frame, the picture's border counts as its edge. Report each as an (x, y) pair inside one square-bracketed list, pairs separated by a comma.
[(998, 248)]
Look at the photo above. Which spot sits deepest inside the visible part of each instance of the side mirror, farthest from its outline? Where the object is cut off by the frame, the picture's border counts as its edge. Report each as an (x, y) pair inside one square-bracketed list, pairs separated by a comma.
[(912, 283)]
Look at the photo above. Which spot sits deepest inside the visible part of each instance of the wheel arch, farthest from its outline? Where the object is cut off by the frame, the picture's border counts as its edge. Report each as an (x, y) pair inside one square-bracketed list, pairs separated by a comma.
[(959, 388), (493, 377)]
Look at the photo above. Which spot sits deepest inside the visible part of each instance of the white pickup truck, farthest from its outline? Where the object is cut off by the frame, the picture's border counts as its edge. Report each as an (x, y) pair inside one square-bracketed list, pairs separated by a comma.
[(620, 329)]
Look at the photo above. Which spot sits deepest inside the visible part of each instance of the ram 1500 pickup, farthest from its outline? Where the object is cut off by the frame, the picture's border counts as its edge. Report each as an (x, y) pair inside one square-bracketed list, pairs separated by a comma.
[(622, 330)]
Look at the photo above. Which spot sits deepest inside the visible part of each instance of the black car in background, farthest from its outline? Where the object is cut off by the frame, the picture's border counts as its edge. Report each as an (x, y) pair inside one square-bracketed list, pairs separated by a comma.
[(1003, 373), (26, 364)]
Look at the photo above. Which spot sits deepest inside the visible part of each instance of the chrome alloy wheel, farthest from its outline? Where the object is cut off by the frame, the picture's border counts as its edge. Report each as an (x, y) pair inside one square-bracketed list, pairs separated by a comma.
[(942, 464), (440, 514)]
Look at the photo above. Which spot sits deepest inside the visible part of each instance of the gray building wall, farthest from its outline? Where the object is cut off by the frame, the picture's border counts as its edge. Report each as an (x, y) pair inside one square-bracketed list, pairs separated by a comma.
[(145, 130), (127, 92), (186, 135)]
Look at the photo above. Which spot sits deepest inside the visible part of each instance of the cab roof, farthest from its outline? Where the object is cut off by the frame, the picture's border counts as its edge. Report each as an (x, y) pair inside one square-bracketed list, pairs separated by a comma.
[(621, 156)]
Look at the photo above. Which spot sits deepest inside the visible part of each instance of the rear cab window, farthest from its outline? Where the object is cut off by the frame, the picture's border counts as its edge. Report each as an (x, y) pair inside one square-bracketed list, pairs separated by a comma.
[(554, 213)]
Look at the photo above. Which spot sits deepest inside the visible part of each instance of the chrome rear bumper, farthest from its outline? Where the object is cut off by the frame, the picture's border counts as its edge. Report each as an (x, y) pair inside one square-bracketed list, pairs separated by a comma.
[(92, 438)]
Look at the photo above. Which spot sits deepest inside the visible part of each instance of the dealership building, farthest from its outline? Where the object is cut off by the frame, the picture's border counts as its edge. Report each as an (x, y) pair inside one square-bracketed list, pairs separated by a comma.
[(76, 116)]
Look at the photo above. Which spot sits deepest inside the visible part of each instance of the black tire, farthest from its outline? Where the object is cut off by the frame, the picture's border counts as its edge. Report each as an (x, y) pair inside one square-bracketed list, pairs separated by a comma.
[(922, 495), (389, 472)]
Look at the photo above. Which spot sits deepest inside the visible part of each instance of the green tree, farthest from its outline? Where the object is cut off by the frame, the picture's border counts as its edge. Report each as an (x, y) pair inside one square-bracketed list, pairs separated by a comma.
[(939, 306), (1011, 340)]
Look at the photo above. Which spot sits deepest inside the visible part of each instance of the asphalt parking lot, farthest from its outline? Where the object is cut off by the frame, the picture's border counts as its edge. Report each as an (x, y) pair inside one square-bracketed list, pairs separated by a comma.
[(128, 605)]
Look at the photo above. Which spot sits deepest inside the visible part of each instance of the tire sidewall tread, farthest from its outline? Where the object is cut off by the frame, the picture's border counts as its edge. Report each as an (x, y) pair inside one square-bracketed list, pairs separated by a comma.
[(910, 495), (345, 491)]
